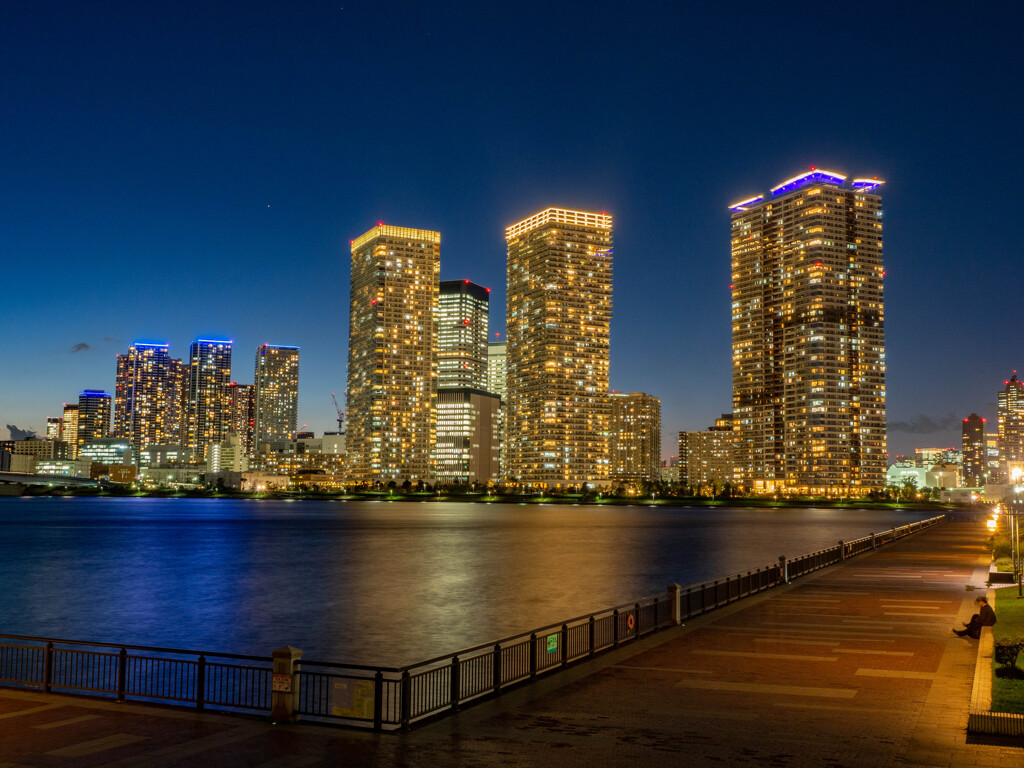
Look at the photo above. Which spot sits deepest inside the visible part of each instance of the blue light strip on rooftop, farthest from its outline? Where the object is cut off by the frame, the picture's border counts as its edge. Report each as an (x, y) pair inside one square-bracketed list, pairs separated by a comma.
[(93, 393), (214, 341), (865, 185), (150, 344), (810, 177)]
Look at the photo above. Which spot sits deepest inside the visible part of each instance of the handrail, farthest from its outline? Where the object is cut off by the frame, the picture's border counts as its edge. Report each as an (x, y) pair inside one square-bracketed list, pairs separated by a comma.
[(154, 649)]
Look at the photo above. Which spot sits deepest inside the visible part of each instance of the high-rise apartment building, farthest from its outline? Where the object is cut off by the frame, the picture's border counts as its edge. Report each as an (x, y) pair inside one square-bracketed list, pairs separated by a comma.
[(392, 354), (1010, 411), (69, 428), (635, 432), (242, 415), (93, 416), (558, 321), (147, 396), (277, 393), (497, 369), (462, 319), (808, 336), (209, 373), (706, 457)]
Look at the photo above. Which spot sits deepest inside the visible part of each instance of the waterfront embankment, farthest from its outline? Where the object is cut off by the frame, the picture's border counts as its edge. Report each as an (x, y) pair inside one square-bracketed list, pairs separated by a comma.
[(851, 665)]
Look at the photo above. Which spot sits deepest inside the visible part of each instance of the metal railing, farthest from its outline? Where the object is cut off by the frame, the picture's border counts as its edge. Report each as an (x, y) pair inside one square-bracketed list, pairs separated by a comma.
[(390, 698)]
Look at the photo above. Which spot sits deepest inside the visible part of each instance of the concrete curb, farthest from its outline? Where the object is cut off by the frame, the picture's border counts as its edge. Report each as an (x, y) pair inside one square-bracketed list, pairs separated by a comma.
[(980, 717)]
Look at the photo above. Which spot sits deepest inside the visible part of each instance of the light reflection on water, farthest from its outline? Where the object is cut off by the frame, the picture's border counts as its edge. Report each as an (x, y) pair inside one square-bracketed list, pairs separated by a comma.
[(366, 582)]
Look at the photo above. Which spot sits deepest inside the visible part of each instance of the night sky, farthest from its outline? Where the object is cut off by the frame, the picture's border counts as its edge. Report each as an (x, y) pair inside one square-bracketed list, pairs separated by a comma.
[(174, 170)]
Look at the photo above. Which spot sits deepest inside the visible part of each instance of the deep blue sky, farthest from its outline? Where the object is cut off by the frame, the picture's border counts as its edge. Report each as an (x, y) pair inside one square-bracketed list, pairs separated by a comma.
[(172, 170)]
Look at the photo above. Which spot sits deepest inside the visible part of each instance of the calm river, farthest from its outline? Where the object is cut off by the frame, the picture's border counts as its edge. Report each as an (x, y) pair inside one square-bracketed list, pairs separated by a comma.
[(369, 582)]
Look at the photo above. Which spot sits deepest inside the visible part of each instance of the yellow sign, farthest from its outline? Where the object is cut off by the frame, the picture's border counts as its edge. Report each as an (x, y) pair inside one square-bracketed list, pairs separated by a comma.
[(352, 698)]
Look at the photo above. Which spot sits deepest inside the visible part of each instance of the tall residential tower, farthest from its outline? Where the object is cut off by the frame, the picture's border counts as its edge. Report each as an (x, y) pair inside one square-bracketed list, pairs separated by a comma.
[(277, 393), (559, 317), (808, 343), (392, 354), (209, 373)]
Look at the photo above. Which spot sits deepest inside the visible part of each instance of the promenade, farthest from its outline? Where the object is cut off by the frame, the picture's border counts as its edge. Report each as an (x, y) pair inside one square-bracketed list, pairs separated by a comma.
[(854, 665)]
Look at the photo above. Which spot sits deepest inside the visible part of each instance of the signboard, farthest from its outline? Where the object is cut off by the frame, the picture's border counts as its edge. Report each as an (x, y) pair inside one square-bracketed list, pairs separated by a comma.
[(352, 698), (552, 643), (281, 683)]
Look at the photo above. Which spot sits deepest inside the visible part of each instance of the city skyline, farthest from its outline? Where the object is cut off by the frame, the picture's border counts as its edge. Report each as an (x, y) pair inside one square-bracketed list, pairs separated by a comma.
[(120, 165)]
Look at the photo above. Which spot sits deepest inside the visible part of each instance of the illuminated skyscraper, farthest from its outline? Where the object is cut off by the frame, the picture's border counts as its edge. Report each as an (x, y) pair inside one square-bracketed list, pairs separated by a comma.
[(277, 393), (209, 373), (635, 444), (70, 428), (808, 344), (706, 458), (392, 354), (973, 446), (242, 415), (497, 371), (559, 314), (467, 439), (147, 396), (93, 416), (462, 334), (1011, 427), (54, 428)]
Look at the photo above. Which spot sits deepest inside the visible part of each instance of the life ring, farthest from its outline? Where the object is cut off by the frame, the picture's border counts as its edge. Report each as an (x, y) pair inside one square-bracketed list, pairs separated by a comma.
[(630, 621)]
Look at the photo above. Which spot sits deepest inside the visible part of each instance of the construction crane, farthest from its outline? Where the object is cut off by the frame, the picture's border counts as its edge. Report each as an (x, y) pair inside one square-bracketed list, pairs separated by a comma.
[(341, 415)]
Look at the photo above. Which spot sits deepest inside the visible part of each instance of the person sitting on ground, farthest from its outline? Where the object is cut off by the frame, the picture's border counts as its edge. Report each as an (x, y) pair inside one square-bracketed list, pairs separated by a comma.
[(985, 617)]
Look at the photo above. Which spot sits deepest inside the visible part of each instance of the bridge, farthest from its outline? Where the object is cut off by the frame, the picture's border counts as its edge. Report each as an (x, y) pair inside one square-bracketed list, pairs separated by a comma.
[(25, 479)]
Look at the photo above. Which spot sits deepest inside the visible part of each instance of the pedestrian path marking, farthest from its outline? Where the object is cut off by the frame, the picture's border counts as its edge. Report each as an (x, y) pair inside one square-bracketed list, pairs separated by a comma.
[(30, 711), (666, 669), (61, 723), (787, 641), (903, 600), (872, 652), (771, 690), (96, 745), (756, 655), (896, 673), (915, 604)]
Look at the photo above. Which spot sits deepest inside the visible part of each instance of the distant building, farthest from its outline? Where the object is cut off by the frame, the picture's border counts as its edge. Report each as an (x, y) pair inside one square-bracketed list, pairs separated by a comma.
[(276, 382), (975, 470), (463, 308), (228, 456), (993, 464), (559, 310), (54, 427), (706, 458), (392, 354), (40, 448), (1011, 427), (209, 373), (497, 369), (167, 455), (108, 450), (148, 395), (69, 428), (635, 437), (808, 346), (242, 415), (467, 445), (94, 407)]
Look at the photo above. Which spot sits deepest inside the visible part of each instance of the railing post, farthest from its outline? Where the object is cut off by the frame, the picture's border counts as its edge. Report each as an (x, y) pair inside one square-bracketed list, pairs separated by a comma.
[(615, 628), (674, 592), (783, 569), (48, 667), (497, 667), (636, 619), (842, 550), (406, 699), (873, 544), (378, 701), (455, 690), (565, 645), (201, 682), (284, 685), (122, 673), (533, 654), (593, 635)]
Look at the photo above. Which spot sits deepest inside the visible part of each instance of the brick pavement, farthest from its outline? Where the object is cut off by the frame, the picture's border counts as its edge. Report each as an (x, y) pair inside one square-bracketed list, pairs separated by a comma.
[(852, 666)]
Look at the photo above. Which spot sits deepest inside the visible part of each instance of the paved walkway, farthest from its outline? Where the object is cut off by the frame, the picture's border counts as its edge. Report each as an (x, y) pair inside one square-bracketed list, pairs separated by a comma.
[(853, 666)]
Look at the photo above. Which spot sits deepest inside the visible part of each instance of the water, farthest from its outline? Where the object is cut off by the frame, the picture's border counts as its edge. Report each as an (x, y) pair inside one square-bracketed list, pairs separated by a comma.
[(366, 582)]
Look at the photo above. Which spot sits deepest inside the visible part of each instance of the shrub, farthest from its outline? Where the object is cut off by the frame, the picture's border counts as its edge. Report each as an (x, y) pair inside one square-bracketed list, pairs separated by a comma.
[(1006, 652)]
